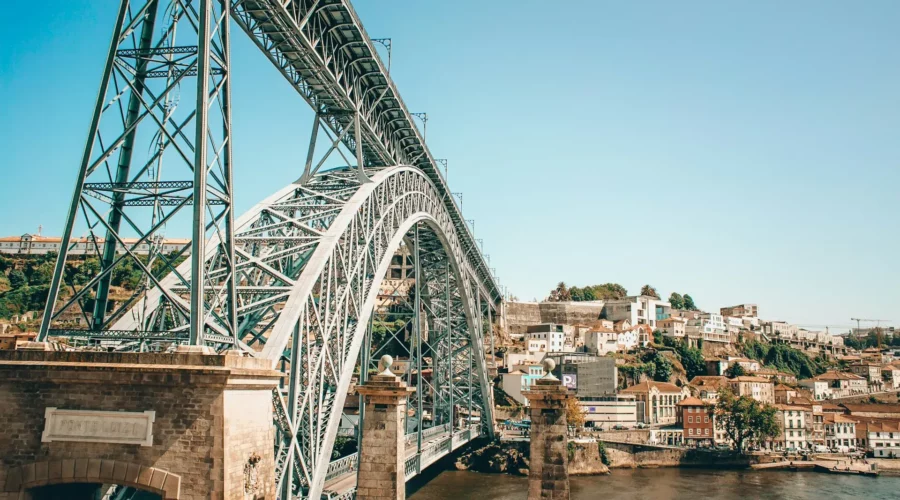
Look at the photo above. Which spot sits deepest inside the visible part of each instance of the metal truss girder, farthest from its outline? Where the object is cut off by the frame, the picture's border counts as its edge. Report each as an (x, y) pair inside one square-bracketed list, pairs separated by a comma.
[(318, 51), (120, 192), (335, 283)]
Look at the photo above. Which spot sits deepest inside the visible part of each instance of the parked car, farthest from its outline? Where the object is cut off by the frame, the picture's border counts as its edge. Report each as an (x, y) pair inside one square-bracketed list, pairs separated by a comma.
[(820, 448)]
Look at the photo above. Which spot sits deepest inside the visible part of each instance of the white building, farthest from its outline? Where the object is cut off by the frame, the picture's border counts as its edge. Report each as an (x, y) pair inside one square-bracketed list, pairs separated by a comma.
[(35, 244), (842, 384), (554, 335), (512, 359), (733, 325), (638, 310), (517, 381), (603, 341), (891, 375), (792, 422), (672, 327), (605, 413), (883, 438), (710, 327), (820, 389), (749, 365), (781, 329), (839, 431), (535, 346)]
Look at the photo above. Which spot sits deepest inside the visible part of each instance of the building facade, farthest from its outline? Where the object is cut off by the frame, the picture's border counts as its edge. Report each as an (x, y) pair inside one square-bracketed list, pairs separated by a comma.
[(555, 335), (588, 375), (840, 431), (842, 384), (741, 310), (35, 244), (883, 438), (792, 425), (672, 327), (638, 310), (820, 389), (608, 412), (696, 418), (519, 380), (660, 400), (758, 388)]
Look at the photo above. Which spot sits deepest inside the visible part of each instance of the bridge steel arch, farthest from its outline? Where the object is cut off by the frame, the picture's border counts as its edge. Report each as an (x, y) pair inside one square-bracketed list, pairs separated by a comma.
[(296, 278), (310, 263)]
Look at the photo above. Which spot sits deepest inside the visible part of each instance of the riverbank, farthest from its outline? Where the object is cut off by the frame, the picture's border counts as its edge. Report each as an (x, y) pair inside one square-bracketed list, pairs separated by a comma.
[(588, 457), (670, 483), (595, 458)]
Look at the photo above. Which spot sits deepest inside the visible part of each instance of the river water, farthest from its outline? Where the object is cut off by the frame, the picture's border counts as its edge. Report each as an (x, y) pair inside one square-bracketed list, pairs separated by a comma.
[(664, 484)]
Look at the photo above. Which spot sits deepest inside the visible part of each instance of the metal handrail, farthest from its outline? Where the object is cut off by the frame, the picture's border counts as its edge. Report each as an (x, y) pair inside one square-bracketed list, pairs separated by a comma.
[(342, 466)]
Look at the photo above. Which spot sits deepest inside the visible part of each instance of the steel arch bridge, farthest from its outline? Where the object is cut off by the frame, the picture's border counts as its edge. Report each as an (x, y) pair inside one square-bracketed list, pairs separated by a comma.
[(302, 277)]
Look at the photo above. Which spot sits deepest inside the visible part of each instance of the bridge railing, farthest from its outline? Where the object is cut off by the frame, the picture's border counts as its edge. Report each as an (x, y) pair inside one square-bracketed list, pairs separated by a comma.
[(433, 431), (342, 466), (412, 466), (417, 461)]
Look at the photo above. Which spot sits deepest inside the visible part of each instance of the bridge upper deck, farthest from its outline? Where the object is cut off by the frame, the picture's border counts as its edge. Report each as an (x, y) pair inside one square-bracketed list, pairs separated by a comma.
[(322, 49)]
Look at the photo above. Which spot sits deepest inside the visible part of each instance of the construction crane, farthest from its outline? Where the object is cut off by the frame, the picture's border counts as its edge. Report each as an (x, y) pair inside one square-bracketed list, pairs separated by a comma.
[(876, 321), (828, 328)]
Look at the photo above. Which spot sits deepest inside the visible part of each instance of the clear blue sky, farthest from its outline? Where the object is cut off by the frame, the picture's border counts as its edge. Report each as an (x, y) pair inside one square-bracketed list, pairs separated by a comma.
[(737, 151)]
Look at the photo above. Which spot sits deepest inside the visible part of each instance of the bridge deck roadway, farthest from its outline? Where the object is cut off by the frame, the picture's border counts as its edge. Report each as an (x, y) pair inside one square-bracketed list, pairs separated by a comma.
[(341, 485)]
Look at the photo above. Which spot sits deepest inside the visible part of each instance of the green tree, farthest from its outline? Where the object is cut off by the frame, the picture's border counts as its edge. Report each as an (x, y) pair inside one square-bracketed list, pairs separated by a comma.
[(577, 294), (744, 419), (343, 446), (663, 368), (785, 359), (676, 300), (17, 279), (649, 291), (560, 293), (692, 360), (658, 338), (609, 291), (689, 303), (735, 370)]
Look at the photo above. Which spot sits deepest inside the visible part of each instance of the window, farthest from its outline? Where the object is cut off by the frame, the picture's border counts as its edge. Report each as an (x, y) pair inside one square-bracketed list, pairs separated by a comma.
[(705, 420), (690, 420), (691, 431), (706, 431)]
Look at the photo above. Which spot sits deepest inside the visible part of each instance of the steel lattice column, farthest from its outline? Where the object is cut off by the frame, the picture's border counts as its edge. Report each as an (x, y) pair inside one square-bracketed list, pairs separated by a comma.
[(171, 146)]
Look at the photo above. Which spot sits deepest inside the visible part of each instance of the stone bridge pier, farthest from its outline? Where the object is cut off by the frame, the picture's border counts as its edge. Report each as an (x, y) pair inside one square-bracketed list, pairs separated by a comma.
[(186, 425)]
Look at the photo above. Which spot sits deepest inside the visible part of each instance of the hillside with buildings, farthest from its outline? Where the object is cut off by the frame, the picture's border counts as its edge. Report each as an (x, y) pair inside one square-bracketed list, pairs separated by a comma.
[(26, 268), (638, 362)]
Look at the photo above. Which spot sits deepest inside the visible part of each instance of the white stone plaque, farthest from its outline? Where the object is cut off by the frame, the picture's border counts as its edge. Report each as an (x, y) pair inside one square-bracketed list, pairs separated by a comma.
[(98, 426)]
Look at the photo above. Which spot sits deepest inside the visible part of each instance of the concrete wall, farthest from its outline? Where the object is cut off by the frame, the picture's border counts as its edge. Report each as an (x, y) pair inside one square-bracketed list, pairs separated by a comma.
[(520, 315), (570, 313), (627, 455), (584, 459)]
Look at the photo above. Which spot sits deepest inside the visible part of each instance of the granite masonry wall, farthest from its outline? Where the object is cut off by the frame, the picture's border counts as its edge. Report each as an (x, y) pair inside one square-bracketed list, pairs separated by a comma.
[(212, 429)]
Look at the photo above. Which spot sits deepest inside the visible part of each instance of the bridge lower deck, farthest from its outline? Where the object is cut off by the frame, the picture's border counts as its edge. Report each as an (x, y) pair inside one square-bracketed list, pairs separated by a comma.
[(437, 442)]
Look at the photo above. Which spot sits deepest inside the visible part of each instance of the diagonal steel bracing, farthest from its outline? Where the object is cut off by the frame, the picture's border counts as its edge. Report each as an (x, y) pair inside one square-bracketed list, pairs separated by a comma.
[(298, 278)]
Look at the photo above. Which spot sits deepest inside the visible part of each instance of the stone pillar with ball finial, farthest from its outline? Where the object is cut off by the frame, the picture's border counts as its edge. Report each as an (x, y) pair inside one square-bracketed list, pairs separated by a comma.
[(548, 475), (382, 458)]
